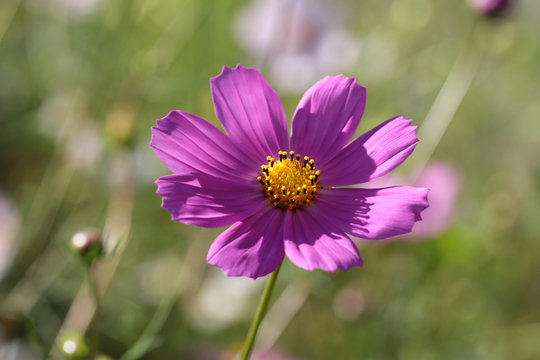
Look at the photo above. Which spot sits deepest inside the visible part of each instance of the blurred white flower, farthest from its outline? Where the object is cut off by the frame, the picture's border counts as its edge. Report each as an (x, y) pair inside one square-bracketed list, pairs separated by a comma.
[(349, 303), (222, 300), (55, 112), (379, 57), (299, 40), (147, 166), (158, 278), (62, 117), (76, 8), (16, 350), (83, 145), (9, 229)]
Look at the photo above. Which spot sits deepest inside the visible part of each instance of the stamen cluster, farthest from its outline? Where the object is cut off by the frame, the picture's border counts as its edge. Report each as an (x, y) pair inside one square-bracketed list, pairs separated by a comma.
[(290, 182)]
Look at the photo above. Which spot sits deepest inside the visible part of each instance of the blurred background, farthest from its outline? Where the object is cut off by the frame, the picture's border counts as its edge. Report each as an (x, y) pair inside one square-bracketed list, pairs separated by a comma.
[(91, 267)]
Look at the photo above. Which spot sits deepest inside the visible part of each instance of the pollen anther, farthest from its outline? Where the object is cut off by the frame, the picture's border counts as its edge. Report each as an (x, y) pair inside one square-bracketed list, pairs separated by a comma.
[(296, 182)]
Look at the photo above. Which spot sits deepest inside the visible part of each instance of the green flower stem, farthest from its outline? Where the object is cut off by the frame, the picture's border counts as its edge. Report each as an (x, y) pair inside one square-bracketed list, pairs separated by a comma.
[(94, 290), (449, 98), (259, 315)]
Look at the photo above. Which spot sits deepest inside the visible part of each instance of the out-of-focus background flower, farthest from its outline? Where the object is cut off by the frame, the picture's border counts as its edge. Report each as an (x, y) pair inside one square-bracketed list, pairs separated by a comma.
[(82, 81)]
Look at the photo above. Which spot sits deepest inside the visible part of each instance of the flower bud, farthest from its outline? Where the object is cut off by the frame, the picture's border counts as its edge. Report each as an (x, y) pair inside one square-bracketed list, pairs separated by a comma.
[(491, 7), (73, 346), (119, 125), (88, 244)]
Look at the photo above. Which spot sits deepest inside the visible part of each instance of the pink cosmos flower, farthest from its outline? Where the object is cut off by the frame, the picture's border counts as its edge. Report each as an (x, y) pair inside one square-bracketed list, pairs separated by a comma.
[(285, 196)]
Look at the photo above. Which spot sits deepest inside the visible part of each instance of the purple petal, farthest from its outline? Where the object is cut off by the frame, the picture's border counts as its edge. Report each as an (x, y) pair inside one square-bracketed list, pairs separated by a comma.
[(252, 247), (371, 155), (203, 200), (327, 117), (312, 243), (373, 213), (250, 111), (187, 143)]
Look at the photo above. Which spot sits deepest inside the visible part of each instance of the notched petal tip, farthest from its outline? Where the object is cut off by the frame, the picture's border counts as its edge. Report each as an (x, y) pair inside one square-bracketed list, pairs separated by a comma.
[(372, 154), (375, 214), (161, 124), (226, 70), (422, 205), (413, 130), (167, 124), (399, 120), (425, 193)]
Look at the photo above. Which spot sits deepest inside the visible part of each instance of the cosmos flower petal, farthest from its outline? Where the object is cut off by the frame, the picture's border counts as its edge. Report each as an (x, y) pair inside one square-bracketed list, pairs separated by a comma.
[(373, 214), (187, 143), (250, 111), (204, 200), (311, 243), (372, 154), (327, 117), (252, 247)]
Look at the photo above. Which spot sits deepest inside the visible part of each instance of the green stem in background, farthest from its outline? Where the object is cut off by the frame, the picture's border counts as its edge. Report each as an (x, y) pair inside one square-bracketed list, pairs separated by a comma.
[(149, 337), (93, 287), (7, 13), (91, 280), (259, 315), (449, 99)]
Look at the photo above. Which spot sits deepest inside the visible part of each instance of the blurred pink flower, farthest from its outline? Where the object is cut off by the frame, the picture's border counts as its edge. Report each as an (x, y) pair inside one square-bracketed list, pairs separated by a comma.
[(298, 40), (349, 303), (491, 7), (444, 182), (221, 301), (16, 349)]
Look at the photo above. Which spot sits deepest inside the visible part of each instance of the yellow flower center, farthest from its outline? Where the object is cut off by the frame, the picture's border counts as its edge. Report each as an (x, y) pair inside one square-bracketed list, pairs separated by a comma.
[(290, 182)]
